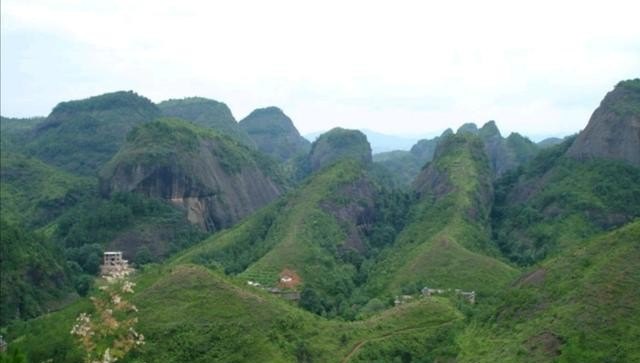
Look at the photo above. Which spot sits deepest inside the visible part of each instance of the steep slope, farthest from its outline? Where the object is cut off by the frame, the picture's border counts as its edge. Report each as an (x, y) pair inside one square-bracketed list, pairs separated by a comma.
[(274, 133), (206, 113), (216, 179), (190, 314), (581, 306), (613, 131), (81, 136), (338, 144), (446, 243)]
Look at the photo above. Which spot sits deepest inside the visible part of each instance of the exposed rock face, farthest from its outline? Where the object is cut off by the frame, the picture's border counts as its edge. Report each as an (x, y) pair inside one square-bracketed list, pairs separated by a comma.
[(613, 131), (215, 179), (504, 154), (357, 214), (339, 144), (81, 136), (274, 134), (206, 113)]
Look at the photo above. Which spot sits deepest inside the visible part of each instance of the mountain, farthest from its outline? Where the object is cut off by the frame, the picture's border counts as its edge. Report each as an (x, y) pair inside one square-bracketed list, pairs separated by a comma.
[(613, 131), (80, 136), (446, 242), (206, 113), (338, 144), (580, 306), (550, 141), (568, 193), (320, 232), (14, 132), (274, 133), (380, 143), (217, 180)]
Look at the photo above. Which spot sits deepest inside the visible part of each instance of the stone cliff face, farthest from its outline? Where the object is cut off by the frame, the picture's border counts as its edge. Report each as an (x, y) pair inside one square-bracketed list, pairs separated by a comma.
[(339, 144), (504, 153), (274, 134), (613, 131), (216, 180)]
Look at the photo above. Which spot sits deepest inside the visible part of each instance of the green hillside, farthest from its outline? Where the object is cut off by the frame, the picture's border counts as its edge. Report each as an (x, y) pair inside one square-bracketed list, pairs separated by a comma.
[(446, 243), (80, 136), (318, 231), (189, 313), (34, 193), (580, 306), (555, 200)]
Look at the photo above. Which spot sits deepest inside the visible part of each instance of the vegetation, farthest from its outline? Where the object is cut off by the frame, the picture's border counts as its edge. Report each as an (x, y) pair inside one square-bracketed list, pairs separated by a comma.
[(206, 113), (81, 136), (579, 306), (578, 199), (212, 318), (446, 243)]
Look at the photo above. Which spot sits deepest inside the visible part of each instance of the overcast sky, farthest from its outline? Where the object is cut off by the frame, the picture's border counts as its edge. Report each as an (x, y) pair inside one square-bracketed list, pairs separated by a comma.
[(398, 67)]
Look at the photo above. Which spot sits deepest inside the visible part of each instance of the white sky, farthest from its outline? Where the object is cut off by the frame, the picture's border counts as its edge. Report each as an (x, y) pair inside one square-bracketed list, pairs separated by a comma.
[(398, 67)]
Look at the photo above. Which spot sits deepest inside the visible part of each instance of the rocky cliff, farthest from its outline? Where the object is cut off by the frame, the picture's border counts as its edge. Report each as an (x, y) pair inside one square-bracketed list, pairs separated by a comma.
[(613, 131), (215, 178), (274, 134)]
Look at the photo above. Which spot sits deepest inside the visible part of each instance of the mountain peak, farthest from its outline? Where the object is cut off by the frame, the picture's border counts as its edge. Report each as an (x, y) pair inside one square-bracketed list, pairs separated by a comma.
[(613, 131), (489, 129), (274, 133), (337, 144), (469, 127)]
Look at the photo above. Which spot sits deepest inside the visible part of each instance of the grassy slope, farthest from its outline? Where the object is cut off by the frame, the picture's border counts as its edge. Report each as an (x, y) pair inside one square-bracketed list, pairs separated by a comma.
[(587, 299), (443, 247), (189, 313)]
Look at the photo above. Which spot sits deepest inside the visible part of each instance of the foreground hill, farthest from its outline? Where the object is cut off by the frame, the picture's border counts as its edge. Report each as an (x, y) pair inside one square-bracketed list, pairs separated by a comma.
[(214, 319), (446, 243), (274, 133), (580, 306), (206, 113), (81, 136), (217, 180)]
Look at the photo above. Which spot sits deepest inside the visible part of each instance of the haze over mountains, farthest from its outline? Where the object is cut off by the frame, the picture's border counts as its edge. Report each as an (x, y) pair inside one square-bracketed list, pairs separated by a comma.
[(254, 244)]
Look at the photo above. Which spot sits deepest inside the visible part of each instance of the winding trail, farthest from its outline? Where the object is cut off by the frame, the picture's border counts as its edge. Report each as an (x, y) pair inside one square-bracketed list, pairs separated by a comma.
[(356, 348)]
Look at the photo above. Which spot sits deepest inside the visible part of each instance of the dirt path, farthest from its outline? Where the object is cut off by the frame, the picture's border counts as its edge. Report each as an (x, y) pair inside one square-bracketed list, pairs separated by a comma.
[(361, 343)]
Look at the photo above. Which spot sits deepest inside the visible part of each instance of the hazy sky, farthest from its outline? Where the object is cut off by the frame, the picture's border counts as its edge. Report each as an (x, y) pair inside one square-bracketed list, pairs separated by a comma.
[(400, 67)]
